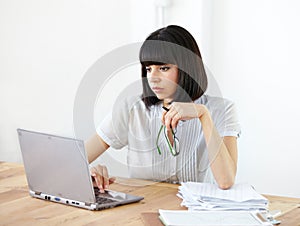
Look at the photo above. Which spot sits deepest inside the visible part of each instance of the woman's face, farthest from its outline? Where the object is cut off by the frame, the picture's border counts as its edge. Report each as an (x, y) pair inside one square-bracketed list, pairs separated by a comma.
[(163, 80)]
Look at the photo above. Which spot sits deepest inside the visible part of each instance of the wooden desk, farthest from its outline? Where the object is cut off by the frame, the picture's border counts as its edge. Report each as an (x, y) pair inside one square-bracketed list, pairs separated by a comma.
[(18, 208)]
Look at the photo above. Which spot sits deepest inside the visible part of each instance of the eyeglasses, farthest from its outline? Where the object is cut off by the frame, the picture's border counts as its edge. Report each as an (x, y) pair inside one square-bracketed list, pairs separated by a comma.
[(174, 149)]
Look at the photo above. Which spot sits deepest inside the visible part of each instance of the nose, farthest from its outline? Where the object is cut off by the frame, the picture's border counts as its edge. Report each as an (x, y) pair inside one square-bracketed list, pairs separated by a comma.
[(153, 76)]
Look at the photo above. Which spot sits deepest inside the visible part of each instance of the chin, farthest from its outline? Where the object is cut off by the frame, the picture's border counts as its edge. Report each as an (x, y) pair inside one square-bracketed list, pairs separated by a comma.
[(160, 97)]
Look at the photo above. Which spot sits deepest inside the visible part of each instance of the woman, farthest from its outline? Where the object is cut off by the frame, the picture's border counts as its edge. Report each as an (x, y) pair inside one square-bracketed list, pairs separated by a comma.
[(174, 131)]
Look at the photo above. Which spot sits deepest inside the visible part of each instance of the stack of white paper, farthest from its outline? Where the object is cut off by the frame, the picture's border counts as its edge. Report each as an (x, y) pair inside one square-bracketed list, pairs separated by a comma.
[(205, 196)]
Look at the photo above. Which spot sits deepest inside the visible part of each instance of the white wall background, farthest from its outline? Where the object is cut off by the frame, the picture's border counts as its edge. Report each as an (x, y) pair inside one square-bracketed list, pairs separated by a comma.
[(250, 46)]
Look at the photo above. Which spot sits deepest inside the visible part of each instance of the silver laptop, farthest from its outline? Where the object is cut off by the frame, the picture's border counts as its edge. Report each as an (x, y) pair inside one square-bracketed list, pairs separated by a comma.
[(57, 170)]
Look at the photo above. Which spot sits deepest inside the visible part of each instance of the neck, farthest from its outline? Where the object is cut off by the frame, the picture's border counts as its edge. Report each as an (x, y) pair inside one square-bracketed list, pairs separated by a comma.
[(167, 102)]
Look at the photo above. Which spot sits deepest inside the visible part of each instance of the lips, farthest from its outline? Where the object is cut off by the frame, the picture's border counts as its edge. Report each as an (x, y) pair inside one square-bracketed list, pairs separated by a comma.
[(157, 89)]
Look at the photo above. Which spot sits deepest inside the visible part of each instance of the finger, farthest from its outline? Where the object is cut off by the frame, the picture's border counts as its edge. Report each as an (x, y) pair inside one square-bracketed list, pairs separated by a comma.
[(105, 177), (175, 120), (93, 175), (167, 121), (93, 172), (175, 114), (99, 178), (163, 116), (112, 180), (97, 181), (169, 118)]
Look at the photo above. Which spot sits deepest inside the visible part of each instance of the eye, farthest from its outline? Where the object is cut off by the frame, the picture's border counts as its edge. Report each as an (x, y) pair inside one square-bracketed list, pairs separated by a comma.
[(164, 68), (148, 69)]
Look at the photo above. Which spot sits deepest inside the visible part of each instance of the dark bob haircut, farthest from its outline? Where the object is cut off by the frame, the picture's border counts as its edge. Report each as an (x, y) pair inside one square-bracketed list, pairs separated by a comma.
[(174, 45)]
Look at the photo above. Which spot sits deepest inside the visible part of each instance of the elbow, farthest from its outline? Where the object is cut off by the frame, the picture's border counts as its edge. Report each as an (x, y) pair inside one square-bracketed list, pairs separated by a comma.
[(224, 185), (226, 181)]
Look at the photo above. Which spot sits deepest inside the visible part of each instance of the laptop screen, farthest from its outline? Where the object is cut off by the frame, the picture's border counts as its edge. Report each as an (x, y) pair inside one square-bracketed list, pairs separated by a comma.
[(56, 166)]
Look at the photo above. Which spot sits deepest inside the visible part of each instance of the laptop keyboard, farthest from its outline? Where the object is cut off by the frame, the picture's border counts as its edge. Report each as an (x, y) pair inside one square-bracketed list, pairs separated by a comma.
[(103, 200), (100, 198)]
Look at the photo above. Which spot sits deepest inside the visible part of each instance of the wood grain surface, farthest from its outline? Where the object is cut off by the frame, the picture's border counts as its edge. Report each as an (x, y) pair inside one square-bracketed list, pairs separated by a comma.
[(18, 208)]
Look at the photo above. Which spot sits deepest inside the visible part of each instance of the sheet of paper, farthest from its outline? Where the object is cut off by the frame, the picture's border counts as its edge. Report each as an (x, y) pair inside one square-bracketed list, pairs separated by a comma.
[(212, 218)]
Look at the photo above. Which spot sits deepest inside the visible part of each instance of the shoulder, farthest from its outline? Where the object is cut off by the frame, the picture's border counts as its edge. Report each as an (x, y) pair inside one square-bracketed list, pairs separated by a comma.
[(136, 104), (128, 103), (132, 107)]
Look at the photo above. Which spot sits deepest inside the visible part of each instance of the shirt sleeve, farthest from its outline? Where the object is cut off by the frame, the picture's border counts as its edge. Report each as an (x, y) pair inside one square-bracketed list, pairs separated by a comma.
[(226, 119), (232, 125), (109, 132), (114, 128)]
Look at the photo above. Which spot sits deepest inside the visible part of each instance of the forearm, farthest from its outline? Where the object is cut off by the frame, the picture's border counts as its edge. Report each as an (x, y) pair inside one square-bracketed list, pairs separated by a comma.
[(223, 161), (95, 146)]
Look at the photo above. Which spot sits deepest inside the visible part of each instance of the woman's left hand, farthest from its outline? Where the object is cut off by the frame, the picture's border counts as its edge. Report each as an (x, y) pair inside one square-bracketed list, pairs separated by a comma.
[(182, 111)]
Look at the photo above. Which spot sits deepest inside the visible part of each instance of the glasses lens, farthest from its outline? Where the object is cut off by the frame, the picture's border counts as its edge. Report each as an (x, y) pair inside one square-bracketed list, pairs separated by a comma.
[(174, 149)]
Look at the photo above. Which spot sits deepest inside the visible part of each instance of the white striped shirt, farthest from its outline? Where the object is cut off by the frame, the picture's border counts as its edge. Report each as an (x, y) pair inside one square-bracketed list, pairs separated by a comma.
[(133, 125)]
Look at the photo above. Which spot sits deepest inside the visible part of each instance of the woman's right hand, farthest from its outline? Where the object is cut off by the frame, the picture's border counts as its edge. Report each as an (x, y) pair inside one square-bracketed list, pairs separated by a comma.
[(101, 178)]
